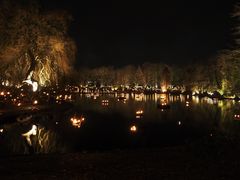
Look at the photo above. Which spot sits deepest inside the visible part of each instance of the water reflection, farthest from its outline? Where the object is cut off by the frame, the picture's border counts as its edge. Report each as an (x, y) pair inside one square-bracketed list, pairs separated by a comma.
[(188, 118), (31, 132)]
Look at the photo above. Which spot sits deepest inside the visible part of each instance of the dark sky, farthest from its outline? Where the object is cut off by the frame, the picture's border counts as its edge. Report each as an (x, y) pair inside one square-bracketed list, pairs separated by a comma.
[(130, 32)]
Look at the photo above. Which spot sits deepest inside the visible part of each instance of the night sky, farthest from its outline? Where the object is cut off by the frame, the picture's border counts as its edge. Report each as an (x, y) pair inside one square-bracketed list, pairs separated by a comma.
[(133, 32)]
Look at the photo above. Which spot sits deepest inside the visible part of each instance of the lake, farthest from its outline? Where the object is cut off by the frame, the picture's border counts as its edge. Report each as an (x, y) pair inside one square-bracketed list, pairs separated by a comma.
[(119, 121)]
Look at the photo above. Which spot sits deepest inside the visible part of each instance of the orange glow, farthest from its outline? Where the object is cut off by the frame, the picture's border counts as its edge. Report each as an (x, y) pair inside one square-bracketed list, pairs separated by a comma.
[(35, 102), (77, 122), (164, 89), (105, 102), (139, 112), (32, 131), (133, 128)]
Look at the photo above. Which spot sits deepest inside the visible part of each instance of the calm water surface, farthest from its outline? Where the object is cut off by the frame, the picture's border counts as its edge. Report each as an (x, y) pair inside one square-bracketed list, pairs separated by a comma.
[(110, 123)]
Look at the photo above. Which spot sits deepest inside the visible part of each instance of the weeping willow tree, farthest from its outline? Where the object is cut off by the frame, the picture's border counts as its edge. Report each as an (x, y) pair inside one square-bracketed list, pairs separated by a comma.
[(34, 44)]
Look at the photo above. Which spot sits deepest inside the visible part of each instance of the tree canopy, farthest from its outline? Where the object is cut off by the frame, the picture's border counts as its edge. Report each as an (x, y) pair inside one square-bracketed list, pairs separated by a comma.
[(34, 44)]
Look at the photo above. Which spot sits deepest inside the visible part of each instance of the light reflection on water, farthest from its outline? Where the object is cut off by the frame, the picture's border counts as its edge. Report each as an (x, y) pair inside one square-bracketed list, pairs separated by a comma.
[(117, 124)]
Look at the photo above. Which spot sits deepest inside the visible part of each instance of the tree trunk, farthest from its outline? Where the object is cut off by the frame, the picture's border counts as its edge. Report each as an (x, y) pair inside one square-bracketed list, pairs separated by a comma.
[(32, 65)]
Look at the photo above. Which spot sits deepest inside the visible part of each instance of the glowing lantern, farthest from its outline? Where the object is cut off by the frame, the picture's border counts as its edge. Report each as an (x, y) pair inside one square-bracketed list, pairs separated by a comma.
[(76, 122), (133, 128), (139, 114)]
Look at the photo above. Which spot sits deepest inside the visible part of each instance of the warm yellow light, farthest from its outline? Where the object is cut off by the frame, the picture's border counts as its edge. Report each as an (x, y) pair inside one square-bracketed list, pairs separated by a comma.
[(35, 102), (1, 130), (164, 89), (76, 122), (33, 83), (19, 104), (139, 112), (105, 102), (133, 128), (2, 93), (32, 131)]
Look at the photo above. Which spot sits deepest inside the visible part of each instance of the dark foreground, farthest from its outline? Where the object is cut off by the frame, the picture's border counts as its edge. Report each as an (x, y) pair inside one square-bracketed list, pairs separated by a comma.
[(161, 163)]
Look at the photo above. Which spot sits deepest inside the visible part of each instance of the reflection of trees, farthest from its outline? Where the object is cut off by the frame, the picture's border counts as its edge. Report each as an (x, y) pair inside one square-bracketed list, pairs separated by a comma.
[(45, 141)]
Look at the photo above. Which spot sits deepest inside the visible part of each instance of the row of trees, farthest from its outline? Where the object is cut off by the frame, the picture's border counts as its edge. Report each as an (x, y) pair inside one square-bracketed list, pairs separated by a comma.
[(35, 45), (222, 74)]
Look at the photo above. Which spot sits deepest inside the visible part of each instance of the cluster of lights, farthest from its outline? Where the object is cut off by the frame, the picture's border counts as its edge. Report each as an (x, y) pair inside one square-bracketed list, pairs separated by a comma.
[(139, 114), (105, 102), (187, 103), (123, 99), (77, 122), (163, 103), (237, 116)]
